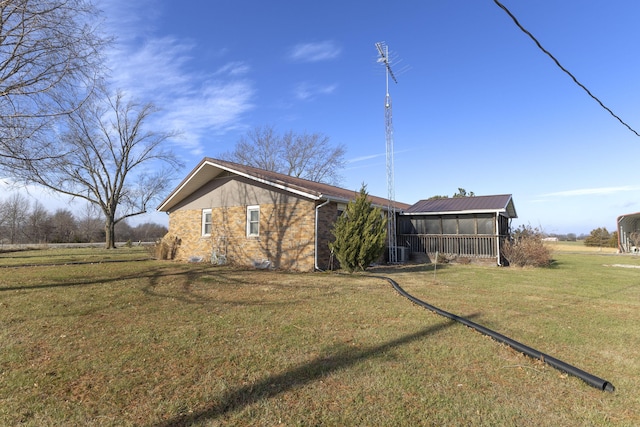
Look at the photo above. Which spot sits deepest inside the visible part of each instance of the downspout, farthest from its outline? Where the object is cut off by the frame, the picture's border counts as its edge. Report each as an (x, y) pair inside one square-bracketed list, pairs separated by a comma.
[(315, 255), (621, 239), (498, 239)]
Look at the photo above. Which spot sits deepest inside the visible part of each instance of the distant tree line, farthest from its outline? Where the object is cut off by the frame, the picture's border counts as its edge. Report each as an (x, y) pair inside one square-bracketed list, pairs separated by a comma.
[(569, 237), (22, 221), (598, 237)]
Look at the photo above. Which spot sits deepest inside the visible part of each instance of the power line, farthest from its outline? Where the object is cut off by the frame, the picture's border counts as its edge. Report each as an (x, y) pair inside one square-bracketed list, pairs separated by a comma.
[(524, 30)]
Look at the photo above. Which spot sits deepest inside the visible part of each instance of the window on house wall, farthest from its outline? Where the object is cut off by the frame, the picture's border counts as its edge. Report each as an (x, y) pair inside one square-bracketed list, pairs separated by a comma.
[(206, 222), (253, 221)]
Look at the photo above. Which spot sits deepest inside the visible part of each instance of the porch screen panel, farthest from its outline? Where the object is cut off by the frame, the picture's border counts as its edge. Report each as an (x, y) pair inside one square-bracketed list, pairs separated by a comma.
[(486, 224), (405, 226), (417, 225), (421, 225), (449, 225), (431, 226), (467, 225)]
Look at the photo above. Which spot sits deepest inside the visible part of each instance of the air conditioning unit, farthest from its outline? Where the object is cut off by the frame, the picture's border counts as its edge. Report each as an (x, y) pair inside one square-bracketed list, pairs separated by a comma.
[(402, 253)]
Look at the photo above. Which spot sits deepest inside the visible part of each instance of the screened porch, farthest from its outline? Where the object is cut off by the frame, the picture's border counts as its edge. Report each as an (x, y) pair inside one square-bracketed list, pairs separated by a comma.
[(472, 227)]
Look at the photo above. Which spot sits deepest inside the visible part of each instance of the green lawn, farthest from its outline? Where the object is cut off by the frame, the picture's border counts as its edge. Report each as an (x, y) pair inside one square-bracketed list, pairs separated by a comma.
[(156, 343)]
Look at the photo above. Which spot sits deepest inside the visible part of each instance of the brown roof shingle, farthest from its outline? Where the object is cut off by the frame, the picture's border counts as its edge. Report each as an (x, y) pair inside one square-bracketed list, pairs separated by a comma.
[(313, 189)]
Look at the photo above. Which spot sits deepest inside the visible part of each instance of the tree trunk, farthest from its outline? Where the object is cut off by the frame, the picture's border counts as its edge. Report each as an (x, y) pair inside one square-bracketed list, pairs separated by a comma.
[(110, 233)]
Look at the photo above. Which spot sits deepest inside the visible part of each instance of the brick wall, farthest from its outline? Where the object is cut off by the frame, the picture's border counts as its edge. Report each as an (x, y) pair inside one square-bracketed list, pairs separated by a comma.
[(286, 235), (327, 216)]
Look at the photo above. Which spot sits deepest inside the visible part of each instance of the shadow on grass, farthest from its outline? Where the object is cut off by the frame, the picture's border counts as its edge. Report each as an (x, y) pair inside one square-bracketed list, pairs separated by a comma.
[(152, 274), (407, 268), (184, 293), (309, 372), (150, 282)]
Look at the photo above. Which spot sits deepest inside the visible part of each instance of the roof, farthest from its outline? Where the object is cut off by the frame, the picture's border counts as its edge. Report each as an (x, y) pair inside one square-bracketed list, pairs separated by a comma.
[(210, 168), (629, 221), (502, 203)]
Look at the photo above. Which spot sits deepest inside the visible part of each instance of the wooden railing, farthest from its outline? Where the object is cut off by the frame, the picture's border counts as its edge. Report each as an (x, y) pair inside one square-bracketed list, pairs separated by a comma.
[(463, 245)]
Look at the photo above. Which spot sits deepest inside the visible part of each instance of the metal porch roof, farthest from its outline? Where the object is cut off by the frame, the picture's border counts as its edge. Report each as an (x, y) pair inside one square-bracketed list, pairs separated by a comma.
[(502, 203)]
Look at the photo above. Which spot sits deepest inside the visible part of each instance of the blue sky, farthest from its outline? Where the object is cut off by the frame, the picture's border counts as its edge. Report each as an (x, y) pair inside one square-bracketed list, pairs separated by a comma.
[(477, 105)]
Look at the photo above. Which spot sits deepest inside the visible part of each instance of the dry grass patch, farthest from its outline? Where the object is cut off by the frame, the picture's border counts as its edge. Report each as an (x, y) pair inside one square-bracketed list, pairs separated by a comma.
[(161, 344), (579, 247)]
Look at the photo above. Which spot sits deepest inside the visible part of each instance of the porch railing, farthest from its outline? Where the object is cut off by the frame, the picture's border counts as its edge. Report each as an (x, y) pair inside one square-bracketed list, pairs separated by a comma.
[(463, 245)]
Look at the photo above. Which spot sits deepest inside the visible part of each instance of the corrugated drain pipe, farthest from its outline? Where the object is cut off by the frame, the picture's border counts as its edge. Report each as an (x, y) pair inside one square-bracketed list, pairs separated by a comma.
[(590, 379)]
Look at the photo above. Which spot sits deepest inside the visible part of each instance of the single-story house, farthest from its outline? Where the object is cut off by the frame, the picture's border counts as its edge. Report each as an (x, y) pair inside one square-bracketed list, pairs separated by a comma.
[(629, 233), (463, 227), (227, 212)]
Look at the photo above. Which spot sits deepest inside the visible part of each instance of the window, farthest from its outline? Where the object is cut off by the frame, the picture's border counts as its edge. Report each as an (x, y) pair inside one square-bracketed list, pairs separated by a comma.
[(206, 222), (253, 221)]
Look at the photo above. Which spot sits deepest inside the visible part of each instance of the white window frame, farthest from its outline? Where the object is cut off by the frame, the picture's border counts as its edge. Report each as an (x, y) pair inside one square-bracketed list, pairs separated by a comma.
[(250, 209), (205, 223)]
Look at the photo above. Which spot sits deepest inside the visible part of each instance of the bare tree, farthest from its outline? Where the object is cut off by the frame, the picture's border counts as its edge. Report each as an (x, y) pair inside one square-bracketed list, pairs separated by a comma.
[(308, 156), (14, 213), (90, 223), (63, 226), (109, 159), (38, 226), (49, 64)]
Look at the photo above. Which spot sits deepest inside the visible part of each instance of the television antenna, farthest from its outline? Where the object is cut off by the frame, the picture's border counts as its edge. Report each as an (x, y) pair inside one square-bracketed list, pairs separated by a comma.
[(383, 51)]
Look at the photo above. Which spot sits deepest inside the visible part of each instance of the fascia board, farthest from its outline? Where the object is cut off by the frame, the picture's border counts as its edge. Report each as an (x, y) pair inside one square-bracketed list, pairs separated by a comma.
[(456, 212), (181, 187)]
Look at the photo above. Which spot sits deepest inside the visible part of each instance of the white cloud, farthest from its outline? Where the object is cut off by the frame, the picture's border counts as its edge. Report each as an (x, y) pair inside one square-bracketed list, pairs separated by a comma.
[(592, 191), (314, 52), (236, 68), (158, 69), (307, 91), (363, 158)]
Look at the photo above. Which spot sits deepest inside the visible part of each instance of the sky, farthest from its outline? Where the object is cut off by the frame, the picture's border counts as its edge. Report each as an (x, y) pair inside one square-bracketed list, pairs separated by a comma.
[(477, 104)]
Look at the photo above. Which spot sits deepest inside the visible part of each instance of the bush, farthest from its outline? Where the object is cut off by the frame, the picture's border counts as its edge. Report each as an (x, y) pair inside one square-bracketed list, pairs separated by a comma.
[(360, 234), (525, 248), (600, 237), (444, 258), (166, 247)]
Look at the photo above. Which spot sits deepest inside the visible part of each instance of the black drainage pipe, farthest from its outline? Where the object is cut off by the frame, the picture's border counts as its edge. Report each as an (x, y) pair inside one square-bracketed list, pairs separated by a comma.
[(590, 379)]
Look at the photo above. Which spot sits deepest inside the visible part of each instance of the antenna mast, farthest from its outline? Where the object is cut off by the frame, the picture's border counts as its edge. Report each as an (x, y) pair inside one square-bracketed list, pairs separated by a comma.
[(383, 50)]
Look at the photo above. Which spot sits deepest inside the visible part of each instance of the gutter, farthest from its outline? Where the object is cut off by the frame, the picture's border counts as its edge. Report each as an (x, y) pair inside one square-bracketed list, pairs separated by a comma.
[(498, 239), (315, 254)]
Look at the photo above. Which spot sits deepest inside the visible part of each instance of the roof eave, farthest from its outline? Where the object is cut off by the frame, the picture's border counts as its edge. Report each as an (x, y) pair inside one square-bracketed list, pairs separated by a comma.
[(462, 212), (167, 204)]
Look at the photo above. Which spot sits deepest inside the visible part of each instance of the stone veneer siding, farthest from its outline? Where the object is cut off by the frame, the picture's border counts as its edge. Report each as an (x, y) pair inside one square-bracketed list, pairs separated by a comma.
[(327, 216), (286, 234)]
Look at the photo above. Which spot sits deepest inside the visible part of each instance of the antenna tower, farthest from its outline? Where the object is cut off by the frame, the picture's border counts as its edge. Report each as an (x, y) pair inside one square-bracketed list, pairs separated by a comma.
[(383, 50)]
